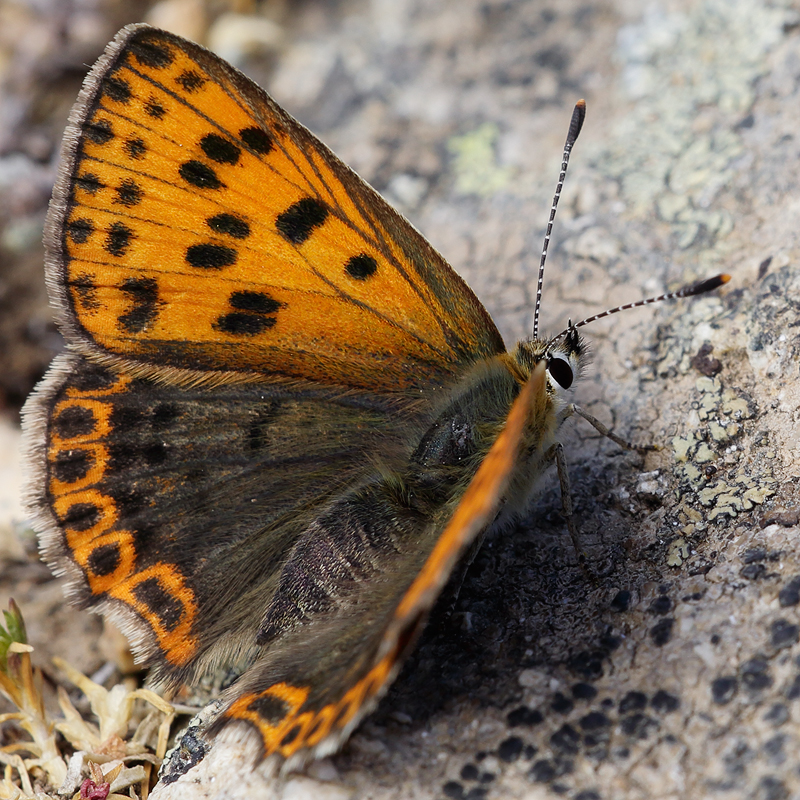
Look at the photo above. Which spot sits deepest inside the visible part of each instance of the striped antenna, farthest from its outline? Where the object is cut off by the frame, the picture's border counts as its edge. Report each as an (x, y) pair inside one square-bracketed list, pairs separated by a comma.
[(700, 287), (575, 125)]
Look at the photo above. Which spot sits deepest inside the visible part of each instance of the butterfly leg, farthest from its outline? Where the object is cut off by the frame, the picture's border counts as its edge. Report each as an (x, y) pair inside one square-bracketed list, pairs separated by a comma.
[(556, 453), (602, 429)]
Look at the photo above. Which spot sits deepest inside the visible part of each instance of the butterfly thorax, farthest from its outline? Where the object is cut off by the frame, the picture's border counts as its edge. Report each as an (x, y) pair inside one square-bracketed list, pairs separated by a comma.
[(476, 410)]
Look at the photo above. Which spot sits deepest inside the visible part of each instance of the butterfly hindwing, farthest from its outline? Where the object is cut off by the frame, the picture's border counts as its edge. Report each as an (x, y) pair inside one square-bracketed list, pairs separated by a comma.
[(196, 228), (180, 505)]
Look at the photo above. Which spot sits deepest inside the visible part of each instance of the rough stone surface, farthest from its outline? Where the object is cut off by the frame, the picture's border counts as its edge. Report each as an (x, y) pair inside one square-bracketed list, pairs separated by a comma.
[(676, 672)]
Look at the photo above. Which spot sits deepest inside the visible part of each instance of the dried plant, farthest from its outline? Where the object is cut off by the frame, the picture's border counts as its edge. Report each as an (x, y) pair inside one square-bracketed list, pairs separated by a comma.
[(96, 765)]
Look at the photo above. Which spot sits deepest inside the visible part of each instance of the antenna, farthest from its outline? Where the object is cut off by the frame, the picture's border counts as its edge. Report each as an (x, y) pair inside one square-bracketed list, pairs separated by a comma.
[(700, 287), (575, 125)]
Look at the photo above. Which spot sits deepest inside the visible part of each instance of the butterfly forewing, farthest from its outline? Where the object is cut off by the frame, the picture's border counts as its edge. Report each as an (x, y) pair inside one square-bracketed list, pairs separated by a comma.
[(196, 226)]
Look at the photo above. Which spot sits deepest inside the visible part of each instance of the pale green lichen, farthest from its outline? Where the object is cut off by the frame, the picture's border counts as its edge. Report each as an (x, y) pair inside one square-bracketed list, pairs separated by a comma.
[(475, 162), (713, 475)]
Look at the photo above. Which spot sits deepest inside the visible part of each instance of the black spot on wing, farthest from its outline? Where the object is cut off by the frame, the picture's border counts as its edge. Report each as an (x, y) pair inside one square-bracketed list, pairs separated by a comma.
[(161, 603), (143, 294), (154, 109), (200, 175), (190, 81), (151, 54), (220, 149), (210, 256), (74, 421), (135, 147), (229, 225), (361, 267), (257, 140), (99, 131), (297, 223), (79, 230), (72, 465), (117, 89), (118, 239), (128, 193)]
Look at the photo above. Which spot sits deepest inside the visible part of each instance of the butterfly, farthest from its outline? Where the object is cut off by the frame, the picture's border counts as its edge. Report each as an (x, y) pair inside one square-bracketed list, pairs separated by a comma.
[(282, 419)]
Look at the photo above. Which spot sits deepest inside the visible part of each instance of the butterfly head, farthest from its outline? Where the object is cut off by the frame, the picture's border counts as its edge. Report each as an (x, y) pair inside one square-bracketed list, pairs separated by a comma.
[(566, 358)]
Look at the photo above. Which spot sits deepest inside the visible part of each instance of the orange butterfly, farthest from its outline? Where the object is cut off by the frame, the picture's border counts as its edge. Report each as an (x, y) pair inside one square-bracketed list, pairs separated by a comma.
[(282, 418)]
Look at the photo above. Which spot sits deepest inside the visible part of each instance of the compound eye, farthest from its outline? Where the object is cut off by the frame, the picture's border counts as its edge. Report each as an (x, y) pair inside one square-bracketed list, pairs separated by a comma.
[(561, 371)]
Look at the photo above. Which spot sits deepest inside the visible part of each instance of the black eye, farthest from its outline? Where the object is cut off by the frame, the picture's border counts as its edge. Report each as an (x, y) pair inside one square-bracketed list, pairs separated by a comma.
[(561, 371)]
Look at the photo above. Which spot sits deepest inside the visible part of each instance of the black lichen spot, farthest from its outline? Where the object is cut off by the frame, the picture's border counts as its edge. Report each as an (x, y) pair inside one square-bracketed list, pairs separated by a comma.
[(783, 634), (72, 465), (566, 739), (637, 726), (594, 721), (160, 603), (789, 595), (755, 675), (753, 572), (118, 239), (190, 81), (297, 223), (200, 175), (793, 690), (664, 702), (257, 140), (661, 632), (135, 148), (561, 704), (724, 689), (660, 606), (89, 183), (99, 131), (154, 109), (469, 772), (81, 516), (584, 691), (633, 701), (80, 230), (588, 664), (229, 225), (454, 790), (510, 749), (543, 771), (117, 89), (587, 794), (104, 560), (129, 193), (621, 601), (219, 149), (210, 256), (771, 788), (143, 294), (74, 421), (777, 715), (150, 54), (525, 716), (361, 267)]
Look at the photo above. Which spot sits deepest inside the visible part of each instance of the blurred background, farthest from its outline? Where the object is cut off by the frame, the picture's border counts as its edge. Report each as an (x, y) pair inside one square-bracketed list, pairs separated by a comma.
[(689, 165)]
